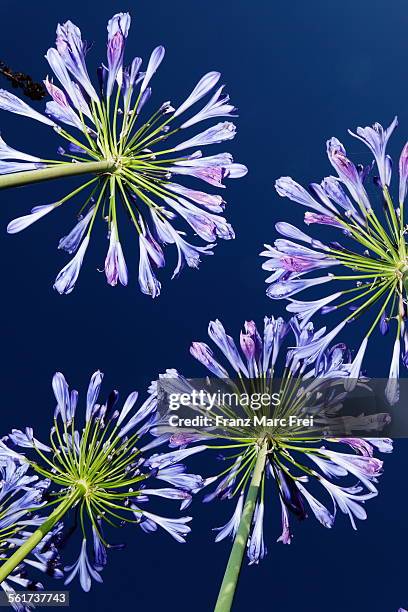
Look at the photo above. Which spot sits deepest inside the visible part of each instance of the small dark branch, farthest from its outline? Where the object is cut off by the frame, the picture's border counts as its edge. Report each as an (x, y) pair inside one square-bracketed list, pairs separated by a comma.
[(20, 80)]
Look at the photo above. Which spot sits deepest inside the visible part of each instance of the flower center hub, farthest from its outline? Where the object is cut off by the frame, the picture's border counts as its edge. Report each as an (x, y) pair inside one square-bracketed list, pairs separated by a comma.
[(84, 487), (119, 162)]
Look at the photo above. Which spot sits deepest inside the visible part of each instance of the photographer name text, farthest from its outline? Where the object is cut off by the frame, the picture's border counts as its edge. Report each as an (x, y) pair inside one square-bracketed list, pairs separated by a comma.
[(255, 421)]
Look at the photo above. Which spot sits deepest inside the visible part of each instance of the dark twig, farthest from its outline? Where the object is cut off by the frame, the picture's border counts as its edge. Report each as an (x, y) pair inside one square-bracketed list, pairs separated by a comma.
[(31, 89)]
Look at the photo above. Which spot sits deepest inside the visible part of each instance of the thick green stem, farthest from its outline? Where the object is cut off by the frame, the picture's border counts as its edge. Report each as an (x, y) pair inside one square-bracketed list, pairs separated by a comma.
[(17, 179), (33, 541), (229, 583)]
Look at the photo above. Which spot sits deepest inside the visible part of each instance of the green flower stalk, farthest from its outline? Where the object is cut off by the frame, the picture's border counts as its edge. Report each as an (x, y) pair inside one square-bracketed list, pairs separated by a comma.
[(99, 475), (263, 458), (233, 569), (22, 496)]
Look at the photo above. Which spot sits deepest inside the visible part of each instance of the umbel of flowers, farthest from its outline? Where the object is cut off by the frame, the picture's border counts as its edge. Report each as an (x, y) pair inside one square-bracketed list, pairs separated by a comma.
[(135, 164), (99, 476), (260, 462), (22, 495), (371, 258)]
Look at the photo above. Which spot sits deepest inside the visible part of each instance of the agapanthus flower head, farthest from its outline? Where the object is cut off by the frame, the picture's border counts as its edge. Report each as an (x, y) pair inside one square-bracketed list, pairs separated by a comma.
[(22, 495), (98, 471), (370, 261), (137, 161), (300, 465)]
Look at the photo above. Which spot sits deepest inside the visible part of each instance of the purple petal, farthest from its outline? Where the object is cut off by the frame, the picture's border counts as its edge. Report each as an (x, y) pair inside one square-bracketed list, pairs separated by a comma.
[(19, 224), (13, 104), (204, 85), (155, 60)]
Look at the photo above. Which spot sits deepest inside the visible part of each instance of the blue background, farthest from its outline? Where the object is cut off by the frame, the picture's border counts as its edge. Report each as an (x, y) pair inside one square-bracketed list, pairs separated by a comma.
[(299, 72)]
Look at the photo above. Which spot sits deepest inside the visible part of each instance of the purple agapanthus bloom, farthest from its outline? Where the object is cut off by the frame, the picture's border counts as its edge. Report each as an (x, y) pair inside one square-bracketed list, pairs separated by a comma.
[(102, 473), (299, 465), (22, 496), (138, 162), (371, 259)]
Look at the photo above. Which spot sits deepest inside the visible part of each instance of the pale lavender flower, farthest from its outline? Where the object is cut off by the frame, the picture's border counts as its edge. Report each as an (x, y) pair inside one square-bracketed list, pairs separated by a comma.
[(176, 475), (323, 515), (99, 548), (384, 445), (9, 167), (285, 537), (167, 493), (376, 138), (321, 220), (292, 260), (155, 60), (204, 354), (21, 223), (227, 345), (84, 568), (63, 115), (71, 241), (163, 460), (21, 494), (215, 203), (290, 231), (13, 104), (356, 366), (287, 288), (403, 173), (25, 439), (237, 170), (114, 474), (72, 50), (213, 135), (306, 310), (118, 29), (216, 107), (376, 271), (349, 500), (66, 279), (60, 109), (177, 528), (130, 74), (392, 388), (287, 188), (347, 172), (74, 93), (147, 279), (136, 164), (204, 85), (256, 546), (290, 463), (213, 175), (231, 527), (115, 265), (366, 468)]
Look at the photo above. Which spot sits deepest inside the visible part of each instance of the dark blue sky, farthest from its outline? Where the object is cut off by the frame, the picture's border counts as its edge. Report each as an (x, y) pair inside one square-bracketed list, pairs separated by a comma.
[(299, 72)]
